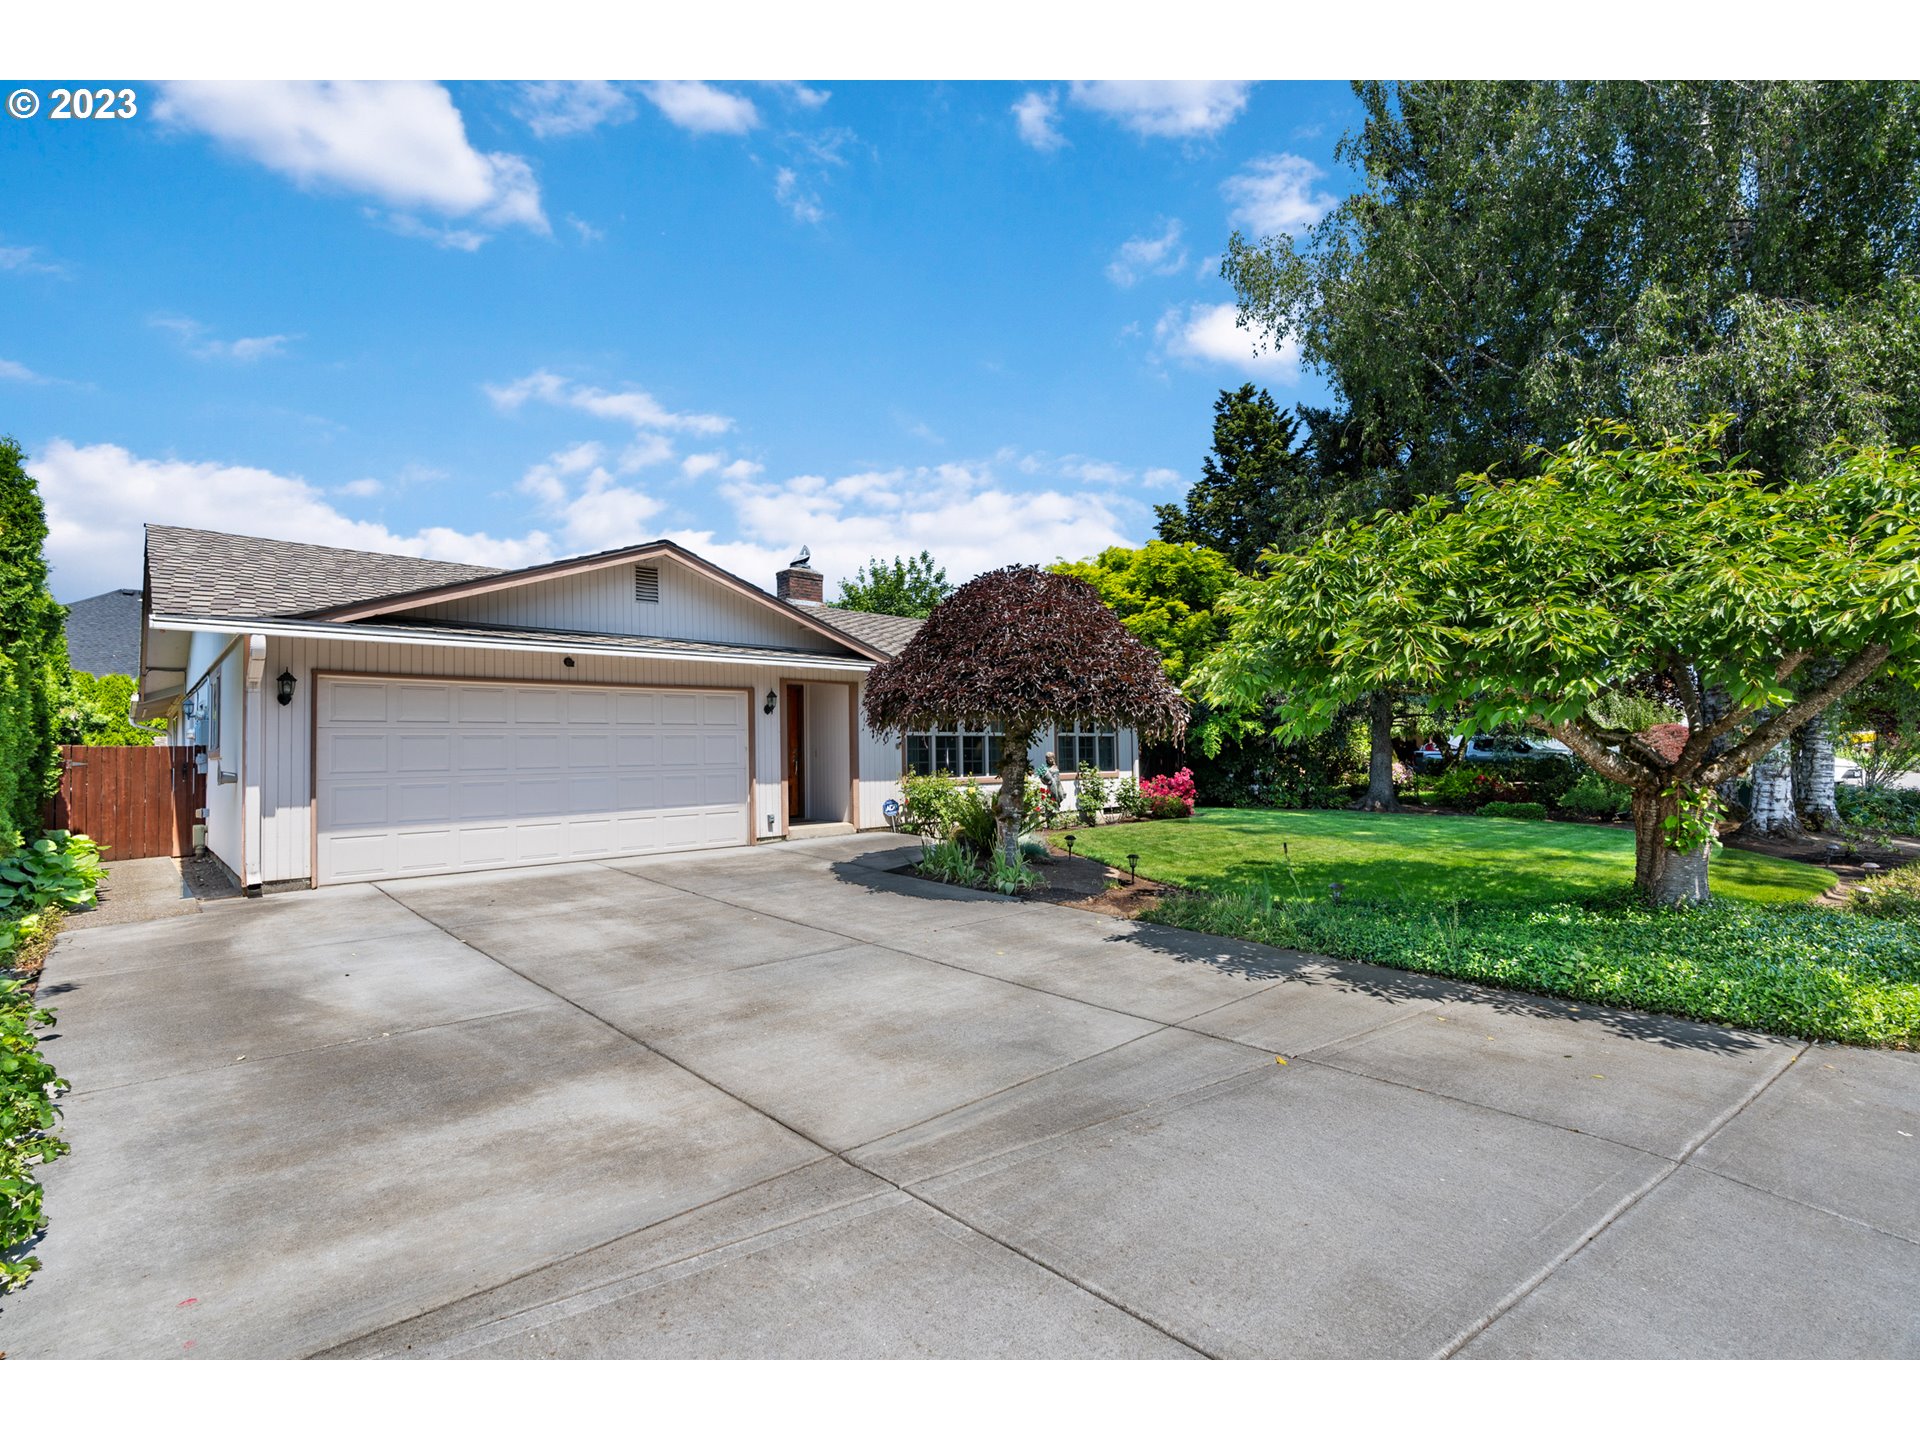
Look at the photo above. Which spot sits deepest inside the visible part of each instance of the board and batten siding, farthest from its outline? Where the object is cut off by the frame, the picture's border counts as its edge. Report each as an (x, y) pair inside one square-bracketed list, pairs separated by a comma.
[(286, 776), (601, 602)]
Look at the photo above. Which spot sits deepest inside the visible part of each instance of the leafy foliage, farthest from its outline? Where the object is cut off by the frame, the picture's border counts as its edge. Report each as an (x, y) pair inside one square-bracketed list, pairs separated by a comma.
[(1530, 599), (974, 823), (927, 803), (58, 868), (33, 651), (1793, 970), (1596, 797), (1492, 282), (1894, 895), (910, 587), (1256, 488), (1089, 794), (1166, 594), (1513, 810), (951, 863), (1043, 806), (1132, 800), (1011, 877), (29, 1090), (993, 654), (1177, 786), (1886, 811), (98, 710)]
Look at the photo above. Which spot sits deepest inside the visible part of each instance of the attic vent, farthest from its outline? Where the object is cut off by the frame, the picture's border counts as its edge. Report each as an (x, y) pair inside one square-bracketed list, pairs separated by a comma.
[(646, 583)]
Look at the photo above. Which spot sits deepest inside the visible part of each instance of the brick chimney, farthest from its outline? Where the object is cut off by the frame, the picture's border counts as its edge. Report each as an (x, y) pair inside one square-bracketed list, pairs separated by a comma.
[(800, 581)]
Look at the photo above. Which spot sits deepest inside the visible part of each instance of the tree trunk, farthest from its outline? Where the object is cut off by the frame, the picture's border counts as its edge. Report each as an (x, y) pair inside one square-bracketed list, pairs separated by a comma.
[(1380, 754), (1012, 800), (1665, 876), (1813, 773), (1770, 811)]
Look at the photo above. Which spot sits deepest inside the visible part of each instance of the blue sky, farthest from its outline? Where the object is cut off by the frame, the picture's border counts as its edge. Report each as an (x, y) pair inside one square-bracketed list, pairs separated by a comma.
[(505, 323)]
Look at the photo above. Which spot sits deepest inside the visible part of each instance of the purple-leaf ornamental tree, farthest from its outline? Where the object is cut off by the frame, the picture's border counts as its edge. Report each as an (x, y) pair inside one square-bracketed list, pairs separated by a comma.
[(1023, 649)]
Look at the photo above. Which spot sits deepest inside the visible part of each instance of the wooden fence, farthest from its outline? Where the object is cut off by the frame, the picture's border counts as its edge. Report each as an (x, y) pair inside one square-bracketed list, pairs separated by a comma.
[(135, 800)]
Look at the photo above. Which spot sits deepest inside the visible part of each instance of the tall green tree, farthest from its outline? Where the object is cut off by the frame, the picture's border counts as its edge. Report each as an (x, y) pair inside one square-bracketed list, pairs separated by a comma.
[(1522, 255), (33, 652), (98, 710), (1167, 594), (1538, 600), (1255, 489), (909, 587)]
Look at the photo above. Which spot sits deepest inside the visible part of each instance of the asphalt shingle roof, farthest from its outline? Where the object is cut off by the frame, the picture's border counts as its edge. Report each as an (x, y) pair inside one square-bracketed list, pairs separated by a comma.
[(887, 633), (206, 574), (103, 633)]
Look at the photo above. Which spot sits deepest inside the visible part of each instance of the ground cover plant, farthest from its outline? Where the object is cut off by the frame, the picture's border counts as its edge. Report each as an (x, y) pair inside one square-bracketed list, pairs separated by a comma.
[(1803, 970), (1407, 858)]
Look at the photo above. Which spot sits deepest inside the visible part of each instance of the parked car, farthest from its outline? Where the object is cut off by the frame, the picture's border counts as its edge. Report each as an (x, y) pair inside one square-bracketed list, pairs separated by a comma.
[(1504, 749)]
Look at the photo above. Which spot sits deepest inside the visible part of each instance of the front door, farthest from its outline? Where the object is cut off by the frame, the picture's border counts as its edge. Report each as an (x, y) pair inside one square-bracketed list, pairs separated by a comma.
[(796, 752)]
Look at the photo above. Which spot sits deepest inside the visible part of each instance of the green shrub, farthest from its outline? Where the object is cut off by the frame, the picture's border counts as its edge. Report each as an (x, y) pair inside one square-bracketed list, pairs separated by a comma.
[(33, 651), (927, 803), (29, 1089), (1011, 879), (1035, 850), (1043, 806), (1596, 797), (974, 823), (950, 862), (59, 868), (1089, 794), (1892, 812), (1803, 970), (1168, 807), (1514, 810), (1895, 894), (1128, 797)]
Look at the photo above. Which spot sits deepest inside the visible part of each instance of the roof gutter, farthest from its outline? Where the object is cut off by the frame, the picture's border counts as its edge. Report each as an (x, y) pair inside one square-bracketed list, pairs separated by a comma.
[(395, 635)]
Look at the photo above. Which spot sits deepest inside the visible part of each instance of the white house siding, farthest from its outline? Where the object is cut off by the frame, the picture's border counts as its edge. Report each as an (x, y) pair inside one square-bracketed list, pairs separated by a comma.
[(286, 819), (600, 602)]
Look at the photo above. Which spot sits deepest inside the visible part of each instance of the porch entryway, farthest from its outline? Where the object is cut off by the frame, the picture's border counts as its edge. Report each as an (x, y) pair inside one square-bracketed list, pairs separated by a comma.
[(822, 758)]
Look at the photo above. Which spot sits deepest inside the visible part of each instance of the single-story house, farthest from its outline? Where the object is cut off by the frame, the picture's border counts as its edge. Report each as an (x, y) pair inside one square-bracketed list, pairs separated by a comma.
[(103, 633), (364, 716)]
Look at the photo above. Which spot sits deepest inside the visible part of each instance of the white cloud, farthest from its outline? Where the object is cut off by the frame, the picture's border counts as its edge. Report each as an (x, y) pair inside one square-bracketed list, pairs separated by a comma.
[(1160, 477), (97, 497), (1210, 335), (805, 96), (1093, 472), (635, 407), (401, 142), (694, 466), (1033, 117), (803, 204), (741, 470), (21, 260), (14, 370), (588, 233), (362, 489), (592, 509), (1274, 195), (1180, 109), (702, 108), (1144, 255), (963, 514), (447, 237), (197, 342), (573, 107)]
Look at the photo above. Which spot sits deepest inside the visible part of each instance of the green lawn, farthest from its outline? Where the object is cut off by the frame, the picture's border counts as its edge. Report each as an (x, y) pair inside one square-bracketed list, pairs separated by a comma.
[(1416, 858)]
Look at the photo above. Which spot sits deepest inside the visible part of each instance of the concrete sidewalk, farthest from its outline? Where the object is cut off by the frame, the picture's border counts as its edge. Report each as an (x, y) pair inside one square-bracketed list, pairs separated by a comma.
[(781, 1102)]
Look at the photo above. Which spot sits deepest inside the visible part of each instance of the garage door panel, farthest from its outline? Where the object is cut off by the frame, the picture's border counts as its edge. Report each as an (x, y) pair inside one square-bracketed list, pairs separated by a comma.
[(413, 704), (425, 778)]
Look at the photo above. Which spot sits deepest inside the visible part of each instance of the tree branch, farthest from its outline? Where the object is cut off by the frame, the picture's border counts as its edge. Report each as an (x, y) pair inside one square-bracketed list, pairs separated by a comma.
[(1617, 768), (1776, 727)]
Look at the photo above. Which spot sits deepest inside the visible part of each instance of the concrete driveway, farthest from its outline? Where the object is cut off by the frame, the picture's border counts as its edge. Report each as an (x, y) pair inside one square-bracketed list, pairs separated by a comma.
[(782, 1103)]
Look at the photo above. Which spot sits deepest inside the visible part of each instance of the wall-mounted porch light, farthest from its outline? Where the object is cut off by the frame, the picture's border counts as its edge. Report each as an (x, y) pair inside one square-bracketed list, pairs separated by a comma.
[(286, 684), (772, 700)]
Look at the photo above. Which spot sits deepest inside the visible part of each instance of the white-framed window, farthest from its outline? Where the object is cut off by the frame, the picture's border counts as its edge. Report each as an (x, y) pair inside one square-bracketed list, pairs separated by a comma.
[(1083, 742), (962, 752)]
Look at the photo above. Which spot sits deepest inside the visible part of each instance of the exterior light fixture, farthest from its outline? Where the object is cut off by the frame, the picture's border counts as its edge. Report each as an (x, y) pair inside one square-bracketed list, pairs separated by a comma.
[(286, 683), (771, 701), (1133, 864), (567, 661), (1069, 844)]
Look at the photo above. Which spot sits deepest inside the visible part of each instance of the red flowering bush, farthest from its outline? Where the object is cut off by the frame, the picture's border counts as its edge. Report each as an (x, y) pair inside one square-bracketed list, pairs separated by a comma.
[(1177, 786), (1168, 807)]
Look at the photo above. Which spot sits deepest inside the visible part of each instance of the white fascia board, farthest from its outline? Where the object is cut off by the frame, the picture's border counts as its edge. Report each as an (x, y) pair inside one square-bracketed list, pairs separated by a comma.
[(395, 636)]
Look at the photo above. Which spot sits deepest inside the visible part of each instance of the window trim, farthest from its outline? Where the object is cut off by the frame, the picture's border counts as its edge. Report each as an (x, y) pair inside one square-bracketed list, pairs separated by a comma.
[(1076, 728), (959, 735)]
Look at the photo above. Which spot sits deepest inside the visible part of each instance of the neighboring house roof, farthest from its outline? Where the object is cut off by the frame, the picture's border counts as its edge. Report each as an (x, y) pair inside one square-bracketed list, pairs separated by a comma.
[(888, 633), (204, 574), (103, 633)]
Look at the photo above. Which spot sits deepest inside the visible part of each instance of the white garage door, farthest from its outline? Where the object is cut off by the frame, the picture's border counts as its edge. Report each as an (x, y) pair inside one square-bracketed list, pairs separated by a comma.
[(423, 777)]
